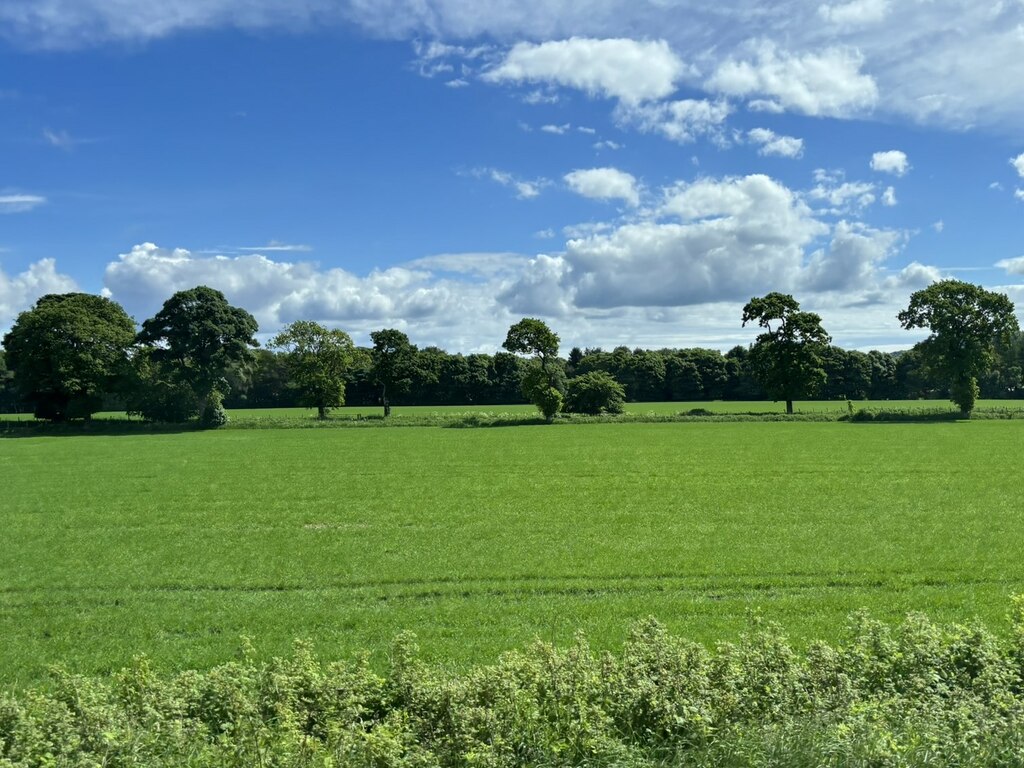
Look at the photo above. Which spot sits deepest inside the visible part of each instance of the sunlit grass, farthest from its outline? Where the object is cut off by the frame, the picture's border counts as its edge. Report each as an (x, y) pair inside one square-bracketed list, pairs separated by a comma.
[(479, 540)]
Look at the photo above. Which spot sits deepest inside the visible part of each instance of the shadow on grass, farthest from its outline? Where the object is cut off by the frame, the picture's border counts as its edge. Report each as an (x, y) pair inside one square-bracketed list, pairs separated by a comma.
[(94, 428)]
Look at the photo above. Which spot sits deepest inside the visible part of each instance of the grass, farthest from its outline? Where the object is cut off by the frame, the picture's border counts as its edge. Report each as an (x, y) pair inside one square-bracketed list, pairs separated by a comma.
[(480, 540)]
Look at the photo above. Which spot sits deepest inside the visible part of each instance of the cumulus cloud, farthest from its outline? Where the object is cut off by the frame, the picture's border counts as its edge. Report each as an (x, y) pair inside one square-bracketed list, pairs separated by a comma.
[(894, 161), (1013, 266), (889, 197), (827, 83), (842, 197), (19, 203), (604, 184), (852, 259), (681, 121), (773, 144), (1018, 164), (925, 67), (279, 292), (19, 292), (714, 240), (624, 69)]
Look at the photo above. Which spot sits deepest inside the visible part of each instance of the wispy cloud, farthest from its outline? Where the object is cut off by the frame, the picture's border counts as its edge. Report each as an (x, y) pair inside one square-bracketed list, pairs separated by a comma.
[(524, 189), (19, 203)]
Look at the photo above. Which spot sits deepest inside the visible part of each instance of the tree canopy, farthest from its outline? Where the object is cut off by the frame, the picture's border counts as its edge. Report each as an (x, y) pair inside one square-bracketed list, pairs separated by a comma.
[(67, 351), (787, 358), (393, 364), (544, 384), (318, 360), (192, 346), (966, 323)]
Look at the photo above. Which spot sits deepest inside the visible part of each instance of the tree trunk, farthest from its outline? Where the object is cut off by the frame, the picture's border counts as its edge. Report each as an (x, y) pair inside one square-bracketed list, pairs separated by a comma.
[(321, 412), (789, 407)]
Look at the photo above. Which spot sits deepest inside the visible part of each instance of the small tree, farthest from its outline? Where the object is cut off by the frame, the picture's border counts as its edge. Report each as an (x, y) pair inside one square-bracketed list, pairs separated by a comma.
[(594, 393), (67, 352), (393, 364), (192, 344), (786, 359), (318, 359), (544, 383), (966, 322)]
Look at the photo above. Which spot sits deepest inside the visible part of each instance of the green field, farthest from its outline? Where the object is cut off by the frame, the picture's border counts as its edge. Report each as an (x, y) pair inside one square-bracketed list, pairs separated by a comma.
[(480, 540)]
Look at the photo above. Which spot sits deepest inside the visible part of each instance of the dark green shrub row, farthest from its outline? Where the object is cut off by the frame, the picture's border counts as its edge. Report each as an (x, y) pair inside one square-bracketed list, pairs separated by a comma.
[(914, 695)]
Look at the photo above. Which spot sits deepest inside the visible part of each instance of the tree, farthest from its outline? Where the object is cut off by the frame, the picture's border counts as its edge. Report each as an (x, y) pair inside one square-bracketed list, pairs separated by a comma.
[(544, 383), (318, 359), (393, 364), (192, 344), (966, 323), (67, 352), (594, 393), (787, 359)]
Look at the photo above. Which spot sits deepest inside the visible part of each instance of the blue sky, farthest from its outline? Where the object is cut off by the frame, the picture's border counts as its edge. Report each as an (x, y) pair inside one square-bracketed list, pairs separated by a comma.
[(632, 172)]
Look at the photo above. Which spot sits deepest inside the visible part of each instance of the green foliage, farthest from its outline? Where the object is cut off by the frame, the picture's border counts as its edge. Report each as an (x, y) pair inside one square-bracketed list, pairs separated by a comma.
[(787, 360), (594, 393), (966, 322), (193, 344), (213, 416), (544, 383), (394, 364), (916, 694), (318, 360), (67, 352)]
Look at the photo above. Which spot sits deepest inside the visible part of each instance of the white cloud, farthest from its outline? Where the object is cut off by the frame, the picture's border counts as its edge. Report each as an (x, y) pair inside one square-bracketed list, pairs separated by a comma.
[(587, 130), (773, 144), (1019, 194), (540, 97), (889, 197), (715, 240), (279, 292), (943, 62), (1018, 164), (1013, 266), (682, 121), (843, 196), (604, 184), (939, 226), (624, 69), (19, 292), (275, 246), (855, 13), (852, 259), (19, 203), (607, 144), (558, 130), (894, 161), (524, 189), (827, 83)]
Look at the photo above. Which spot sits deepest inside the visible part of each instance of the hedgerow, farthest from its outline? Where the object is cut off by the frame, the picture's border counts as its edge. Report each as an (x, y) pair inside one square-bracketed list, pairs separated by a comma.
[(917, 694)]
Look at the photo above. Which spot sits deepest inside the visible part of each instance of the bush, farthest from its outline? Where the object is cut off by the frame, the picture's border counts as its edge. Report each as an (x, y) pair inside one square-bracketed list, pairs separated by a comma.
[(917, 694), (595, 393), (213, 416)]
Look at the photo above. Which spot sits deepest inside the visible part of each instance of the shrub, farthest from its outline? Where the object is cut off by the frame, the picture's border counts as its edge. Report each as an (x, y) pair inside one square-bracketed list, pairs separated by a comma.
[(594, 393), (213, 416)]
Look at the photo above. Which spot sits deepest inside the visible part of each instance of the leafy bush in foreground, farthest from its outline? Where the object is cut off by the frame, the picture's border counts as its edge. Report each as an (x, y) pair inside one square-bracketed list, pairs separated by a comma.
[(917, 694)]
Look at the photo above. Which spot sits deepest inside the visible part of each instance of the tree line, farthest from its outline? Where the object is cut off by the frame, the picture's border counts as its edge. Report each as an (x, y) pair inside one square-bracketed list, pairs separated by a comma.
[(74, 354)]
